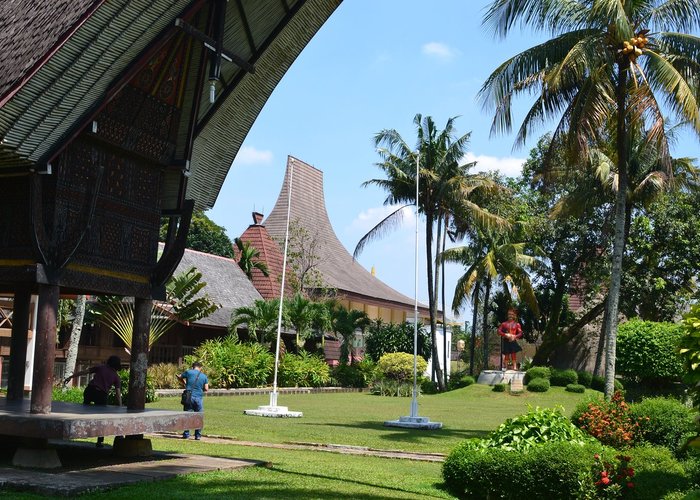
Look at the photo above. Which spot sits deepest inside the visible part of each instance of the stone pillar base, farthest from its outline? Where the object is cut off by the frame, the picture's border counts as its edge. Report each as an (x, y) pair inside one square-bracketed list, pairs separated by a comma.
[(37, 458), (132, 446)]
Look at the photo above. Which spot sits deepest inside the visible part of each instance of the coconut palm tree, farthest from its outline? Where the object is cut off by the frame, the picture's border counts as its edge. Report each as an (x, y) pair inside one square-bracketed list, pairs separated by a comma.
[(300, 314), (260, 319), (249, 258), (346, 323), (608, 59), (443, 177)]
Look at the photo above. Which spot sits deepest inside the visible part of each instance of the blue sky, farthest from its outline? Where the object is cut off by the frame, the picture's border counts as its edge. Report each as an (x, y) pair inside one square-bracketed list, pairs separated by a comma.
[(374, 65)]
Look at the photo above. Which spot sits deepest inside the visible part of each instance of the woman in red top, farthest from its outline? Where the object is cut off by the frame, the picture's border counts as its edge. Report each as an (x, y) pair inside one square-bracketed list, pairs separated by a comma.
[(510, 331)]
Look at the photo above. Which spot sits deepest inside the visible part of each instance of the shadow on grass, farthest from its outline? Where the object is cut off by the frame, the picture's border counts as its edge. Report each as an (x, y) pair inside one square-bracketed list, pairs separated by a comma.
[(398, 434)]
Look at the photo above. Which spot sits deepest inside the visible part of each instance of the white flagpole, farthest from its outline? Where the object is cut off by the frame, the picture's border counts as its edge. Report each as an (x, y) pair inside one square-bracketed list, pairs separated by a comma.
[(414, 401), (273, 394)]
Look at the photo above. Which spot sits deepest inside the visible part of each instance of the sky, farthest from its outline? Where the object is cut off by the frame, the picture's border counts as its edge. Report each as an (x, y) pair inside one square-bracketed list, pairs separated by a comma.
[(374, 65)]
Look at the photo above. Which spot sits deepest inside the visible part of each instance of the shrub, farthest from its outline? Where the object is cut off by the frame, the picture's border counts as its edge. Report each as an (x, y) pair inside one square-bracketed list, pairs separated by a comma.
[(577, 388), (562, 378), (124, 377), (427, 386), (598, 383), (537, 372), (538, 426), (500, 387), (551, 470), (355, 375), (164, 375), (394, 388), (664, 422), (399, 366), (647, 352), (230, 364), (460, 381), (613, 479), (610, 422), (382, 338), (68, 395), (657, 472), (690, 350), (303, 370), (538, 385), (584, 378)]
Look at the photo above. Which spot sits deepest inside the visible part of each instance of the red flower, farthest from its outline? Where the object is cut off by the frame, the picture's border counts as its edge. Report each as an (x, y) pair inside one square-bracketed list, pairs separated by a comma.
[(604, 474), (630, 485), (605, 480)]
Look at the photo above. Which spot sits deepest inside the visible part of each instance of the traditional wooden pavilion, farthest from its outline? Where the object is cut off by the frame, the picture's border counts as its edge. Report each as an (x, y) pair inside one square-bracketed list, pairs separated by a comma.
[(114, 114)]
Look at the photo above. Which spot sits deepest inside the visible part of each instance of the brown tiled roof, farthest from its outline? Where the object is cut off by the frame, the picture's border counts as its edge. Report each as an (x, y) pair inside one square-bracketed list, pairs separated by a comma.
[(337, 266), (270, 253)]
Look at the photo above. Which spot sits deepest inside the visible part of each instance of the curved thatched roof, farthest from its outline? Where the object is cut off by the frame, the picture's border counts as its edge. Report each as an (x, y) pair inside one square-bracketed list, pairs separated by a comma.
[(61, 59)]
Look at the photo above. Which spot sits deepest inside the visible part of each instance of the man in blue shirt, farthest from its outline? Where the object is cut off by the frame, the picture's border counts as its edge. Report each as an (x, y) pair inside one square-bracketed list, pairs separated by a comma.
[(196, 381)]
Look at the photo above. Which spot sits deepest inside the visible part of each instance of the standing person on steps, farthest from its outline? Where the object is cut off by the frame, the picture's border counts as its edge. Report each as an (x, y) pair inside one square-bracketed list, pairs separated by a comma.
[(510, 331), (196, 381)]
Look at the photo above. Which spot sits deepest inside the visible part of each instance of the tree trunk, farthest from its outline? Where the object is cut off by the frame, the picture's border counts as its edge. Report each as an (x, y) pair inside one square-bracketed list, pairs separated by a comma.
[(485, 323), (432, 304), (76, 331), (619, 240), (444, 319), (601, 344), (475, 315)]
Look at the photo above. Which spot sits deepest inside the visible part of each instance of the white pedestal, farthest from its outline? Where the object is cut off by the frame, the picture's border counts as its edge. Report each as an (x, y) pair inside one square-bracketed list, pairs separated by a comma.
[(274, 411), (413, 423)]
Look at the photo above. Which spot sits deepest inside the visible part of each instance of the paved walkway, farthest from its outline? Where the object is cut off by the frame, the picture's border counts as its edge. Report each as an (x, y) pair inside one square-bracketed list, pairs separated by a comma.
[(330, 448), (103, 474), (87, 468)]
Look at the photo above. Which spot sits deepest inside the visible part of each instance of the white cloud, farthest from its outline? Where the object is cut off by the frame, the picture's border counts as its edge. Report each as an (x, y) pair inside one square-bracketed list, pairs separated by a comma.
[(439, 51), (508, 166), (369, 218), (248, 155)]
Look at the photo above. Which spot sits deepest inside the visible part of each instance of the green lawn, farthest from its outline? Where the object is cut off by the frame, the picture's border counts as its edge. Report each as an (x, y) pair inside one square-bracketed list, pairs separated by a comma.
[(357, 418), (346, 418)]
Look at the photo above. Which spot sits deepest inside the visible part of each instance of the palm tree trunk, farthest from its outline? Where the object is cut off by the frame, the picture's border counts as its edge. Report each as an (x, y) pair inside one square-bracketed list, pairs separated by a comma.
[(444, 320), (601, 344), (485, 323), (76, 330), (619, 239), (432, 303), (475, 317)]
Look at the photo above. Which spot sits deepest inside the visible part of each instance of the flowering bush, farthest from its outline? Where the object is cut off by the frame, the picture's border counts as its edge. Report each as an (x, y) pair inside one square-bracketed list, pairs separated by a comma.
[(610, 422), (613, 479)]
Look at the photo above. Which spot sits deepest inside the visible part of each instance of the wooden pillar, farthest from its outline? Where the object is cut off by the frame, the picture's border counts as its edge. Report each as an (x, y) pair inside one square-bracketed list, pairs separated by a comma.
[(18, 345), (139, 354), (45, 349)]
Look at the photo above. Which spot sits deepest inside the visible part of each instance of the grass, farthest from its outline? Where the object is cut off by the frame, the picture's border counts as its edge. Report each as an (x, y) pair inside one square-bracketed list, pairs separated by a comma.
[(346, 418), (357, 418)]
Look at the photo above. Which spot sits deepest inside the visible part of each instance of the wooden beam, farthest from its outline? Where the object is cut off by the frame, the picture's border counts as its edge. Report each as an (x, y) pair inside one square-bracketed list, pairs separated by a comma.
[(18, 345)]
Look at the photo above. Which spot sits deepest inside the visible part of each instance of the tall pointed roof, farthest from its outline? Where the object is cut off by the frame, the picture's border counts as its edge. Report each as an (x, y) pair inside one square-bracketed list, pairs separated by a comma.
[(337, 266)]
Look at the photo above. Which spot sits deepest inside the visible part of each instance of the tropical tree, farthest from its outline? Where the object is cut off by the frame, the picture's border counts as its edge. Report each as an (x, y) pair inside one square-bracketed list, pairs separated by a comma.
[(443, 179), (248, 258), (184, 303), (300, 314), (260, 319), (346, 323), (608, 59), (495, 259), (204, 236)]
